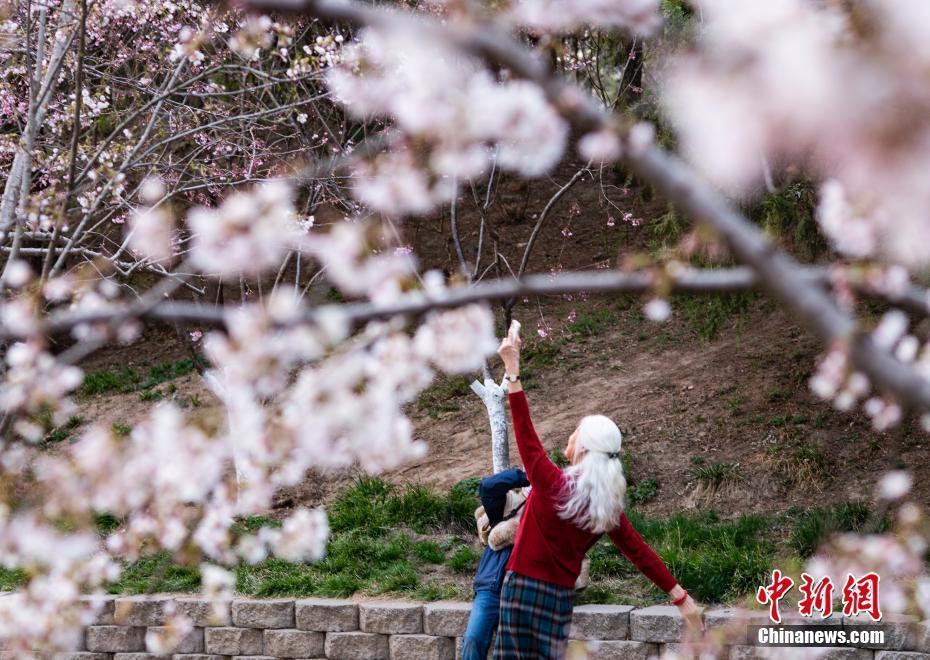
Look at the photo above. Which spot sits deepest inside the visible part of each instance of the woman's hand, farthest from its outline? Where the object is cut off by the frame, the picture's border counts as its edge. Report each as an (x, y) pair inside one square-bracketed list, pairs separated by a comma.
[(509, 351), (688, 609), (692, 615)]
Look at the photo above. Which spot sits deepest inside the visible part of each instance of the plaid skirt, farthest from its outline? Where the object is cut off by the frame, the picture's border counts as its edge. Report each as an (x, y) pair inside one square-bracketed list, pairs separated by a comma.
[(534, 620)]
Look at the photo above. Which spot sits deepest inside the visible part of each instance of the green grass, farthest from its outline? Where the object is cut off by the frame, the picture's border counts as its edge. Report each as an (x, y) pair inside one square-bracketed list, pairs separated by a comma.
[(800, 463), (64, 431), (429, 552), (718, 560), (416, 543), (714, 475), (787, 214), (464, 560), (643, 491), (155, 574), (121, 430), (706, 316), (12, 578), (444, 395), (128, 380), (666, 230), (557, 457), (590, 323), (813, 526), (540, 353)]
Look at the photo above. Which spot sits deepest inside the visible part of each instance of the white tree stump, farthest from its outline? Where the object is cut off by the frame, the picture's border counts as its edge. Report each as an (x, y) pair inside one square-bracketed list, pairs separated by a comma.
[(493, 394)]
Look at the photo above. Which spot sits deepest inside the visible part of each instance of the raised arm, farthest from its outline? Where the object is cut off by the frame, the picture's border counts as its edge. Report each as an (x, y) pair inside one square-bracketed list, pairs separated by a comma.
[(645, 559), (541, 471)]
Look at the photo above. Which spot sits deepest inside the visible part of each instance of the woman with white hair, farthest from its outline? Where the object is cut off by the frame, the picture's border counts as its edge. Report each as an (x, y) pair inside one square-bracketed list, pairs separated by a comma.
[(566, 513)]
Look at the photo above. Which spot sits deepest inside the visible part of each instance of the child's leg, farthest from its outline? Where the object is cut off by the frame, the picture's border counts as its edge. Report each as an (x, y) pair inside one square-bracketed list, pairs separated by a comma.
[(482, 622)]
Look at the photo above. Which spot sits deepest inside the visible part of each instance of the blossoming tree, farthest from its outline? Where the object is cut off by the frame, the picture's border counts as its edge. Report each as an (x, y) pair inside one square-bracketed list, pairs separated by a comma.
[(161, 158)]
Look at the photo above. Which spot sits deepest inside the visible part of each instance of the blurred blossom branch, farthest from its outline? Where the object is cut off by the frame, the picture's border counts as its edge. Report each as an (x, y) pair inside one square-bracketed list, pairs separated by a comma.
[(241, 162)]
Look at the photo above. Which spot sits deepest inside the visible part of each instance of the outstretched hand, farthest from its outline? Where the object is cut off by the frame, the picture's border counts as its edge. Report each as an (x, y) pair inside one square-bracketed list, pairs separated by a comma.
[(692, 615), (509, 351)]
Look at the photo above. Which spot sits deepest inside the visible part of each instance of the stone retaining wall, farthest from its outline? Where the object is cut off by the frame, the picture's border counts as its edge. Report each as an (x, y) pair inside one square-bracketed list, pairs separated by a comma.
[(348, 630)]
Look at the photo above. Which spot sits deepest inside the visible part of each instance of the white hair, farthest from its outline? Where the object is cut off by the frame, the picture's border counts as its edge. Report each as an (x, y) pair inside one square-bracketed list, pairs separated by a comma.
[(595, 486)]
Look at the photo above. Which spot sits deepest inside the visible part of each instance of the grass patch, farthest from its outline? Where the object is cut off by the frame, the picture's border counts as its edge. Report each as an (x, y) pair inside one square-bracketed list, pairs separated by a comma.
[(643, 491), (666, 230), (64, 431), (377, 506), (787, 214), (374, 550), (429, 552), (464, 560), (800, 463), (540, 353), (715, 475), (588, 324), (156, 573), (444, 395), (813, 526), (719, 560), (12, 578), (121, 430), (706, 316), (557, 457), (128, 380)]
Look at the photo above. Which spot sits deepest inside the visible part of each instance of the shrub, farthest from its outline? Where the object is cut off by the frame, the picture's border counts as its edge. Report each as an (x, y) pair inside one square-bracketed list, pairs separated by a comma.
[(429, 552), (643, 491), (814, 526), (464, 560)]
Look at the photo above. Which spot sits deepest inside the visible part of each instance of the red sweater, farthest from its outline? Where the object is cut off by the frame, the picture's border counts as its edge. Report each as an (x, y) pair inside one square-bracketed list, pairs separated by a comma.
[(549, 548)]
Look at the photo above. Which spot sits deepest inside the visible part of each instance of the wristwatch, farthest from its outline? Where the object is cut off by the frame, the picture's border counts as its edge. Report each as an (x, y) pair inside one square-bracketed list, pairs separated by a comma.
[(512, 379)]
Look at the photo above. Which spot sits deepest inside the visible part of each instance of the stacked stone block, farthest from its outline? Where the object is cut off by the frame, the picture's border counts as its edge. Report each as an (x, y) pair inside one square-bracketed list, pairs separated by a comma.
[(317, 628)]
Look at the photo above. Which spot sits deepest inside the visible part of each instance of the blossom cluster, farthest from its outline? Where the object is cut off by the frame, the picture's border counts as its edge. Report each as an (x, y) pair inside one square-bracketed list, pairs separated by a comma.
[(449, 102), (301, 389), (835, 88)]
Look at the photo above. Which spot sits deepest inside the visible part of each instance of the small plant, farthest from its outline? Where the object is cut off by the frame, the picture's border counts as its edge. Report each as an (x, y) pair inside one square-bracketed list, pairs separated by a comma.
[(443, 396), (540, 353), (667, 229), (715, 475), (120, 429), (64, 432), (464, 560), (127, 380), (800, 463), (429, 552), (713, 479), (644, 491), (588, 324), (706, 316), (151, 395), (433, 591), (469, 486), (814, 526), (735, 404)]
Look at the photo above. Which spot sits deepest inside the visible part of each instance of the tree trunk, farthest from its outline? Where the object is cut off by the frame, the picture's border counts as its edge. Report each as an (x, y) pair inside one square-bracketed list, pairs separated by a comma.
[(493, 395)]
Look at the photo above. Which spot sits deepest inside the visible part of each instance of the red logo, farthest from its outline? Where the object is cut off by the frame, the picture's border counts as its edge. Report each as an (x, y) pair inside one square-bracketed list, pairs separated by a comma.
[(817, 597), (772, 594), (859, 596)]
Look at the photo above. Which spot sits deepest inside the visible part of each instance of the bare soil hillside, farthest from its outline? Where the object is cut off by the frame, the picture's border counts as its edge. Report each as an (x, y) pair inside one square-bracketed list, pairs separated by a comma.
[(713, 404)]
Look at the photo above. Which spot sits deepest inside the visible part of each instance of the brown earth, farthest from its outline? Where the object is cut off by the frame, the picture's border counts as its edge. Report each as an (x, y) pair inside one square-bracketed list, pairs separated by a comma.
[(739, 398)]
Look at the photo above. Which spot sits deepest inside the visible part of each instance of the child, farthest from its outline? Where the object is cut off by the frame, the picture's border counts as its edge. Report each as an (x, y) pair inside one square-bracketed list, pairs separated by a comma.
[(500, 503), (498, 520)]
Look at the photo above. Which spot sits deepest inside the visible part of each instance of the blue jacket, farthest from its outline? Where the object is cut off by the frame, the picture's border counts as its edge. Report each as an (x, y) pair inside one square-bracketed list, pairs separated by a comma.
[(493, 493)]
